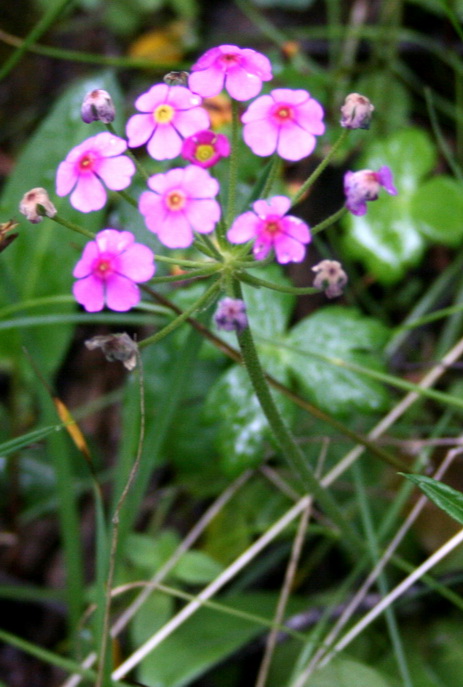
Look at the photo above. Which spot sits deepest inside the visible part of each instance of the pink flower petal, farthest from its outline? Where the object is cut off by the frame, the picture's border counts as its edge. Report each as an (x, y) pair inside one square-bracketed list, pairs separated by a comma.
[(277, 205), (203, 215), (89, 292), (108, 145), (295, 144), (191, 121), (243, 86), (259, 109), (84, 266), (121, 293), (176, 231), (88, 195), (66, 178), (136, 263), (198, 183), (139, 129), (207, 83), (243, 228), (261, 137), (156, 95), (165, 143), (117, 172)]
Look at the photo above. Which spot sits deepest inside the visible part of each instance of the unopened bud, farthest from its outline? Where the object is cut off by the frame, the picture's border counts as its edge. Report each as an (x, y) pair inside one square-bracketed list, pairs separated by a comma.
[(231, 315), (356, 112), (116, 347), (176, 78), (98, 106), (36, 204), (330, 278)]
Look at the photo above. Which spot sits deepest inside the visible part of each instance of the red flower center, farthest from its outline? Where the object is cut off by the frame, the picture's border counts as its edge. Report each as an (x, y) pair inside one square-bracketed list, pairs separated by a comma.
[(283, 113), (86, 163), (103, 267), (272, 226), (175, 200)]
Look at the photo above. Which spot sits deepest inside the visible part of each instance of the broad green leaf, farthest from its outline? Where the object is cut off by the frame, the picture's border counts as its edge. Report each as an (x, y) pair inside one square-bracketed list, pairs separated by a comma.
[(346, 672), (40, 261), (208, 637), (388, 237), (196, 567), (438, 207), (149, 553), (343, 333), (448, 499), (243, 433)]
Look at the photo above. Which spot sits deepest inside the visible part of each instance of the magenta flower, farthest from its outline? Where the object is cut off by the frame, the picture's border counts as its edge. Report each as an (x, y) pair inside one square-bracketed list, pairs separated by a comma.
[(240, 70), (98, 159), (365, 185), (285, 121), (272, 228), (109, 270), (169, 114), (205, 148), (180, 202)]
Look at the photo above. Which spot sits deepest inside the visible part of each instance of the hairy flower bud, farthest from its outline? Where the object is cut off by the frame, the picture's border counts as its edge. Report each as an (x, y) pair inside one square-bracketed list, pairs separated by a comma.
[(330, 277), (35, 204), (356, 112), (98, 106), (116, 347), (176, 79), (231, 315)]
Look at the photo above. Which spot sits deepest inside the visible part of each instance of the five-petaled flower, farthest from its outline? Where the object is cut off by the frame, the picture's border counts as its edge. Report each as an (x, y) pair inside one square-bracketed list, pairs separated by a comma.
[(109, 270), (271, 228), (180, 202), (240, 70), (286, 121), (98, 159), (205, 148), (168, 115), (365, 185)]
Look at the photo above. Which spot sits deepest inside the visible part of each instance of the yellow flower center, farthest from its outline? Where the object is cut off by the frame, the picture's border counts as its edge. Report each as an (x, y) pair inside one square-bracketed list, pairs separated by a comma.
[(204, 152), (163, 114)]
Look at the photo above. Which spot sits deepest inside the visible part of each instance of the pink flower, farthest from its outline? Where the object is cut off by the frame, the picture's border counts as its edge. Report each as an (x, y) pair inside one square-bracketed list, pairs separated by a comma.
[(205, 148), (272, 228), (180, 202), (285, 121), (240, 70), (169, 114), (109, 270), (365, 185), (231, 315), (98, 159)]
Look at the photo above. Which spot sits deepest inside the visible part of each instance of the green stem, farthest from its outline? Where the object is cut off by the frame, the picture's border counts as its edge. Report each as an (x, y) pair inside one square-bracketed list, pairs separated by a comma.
[(274, 172), (233, 168), (75, 227), (204, 244), (254, 281), (335, 217), (197, 305), (321, 167), (39, 29), (192, 274), (291, 451), (128, 198)]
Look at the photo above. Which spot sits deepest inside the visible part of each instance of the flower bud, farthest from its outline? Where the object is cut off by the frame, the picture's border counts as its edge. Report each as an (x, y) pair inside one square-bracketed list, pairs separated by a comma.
[(98, 106), (365, 185), (330, 277), (116, 347), (356, 112), (176, 78), (35, 204), (231, 315)]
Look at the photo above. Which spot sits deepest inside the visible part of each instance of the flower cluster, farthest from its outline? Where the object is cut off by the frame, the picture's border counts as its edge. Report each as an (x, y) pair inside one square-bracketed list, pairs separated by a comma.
[(182, 203)]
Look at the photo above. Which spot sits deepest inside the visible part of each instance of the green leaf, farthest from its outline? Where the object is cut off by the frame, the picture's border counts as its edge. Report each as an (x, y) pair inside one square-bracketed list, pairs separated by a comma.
[(345, 672), (206, 638), (196, 567), (388, 239), (438, 206), (448, 499), (40, 261), (344, 333), (149, 553)]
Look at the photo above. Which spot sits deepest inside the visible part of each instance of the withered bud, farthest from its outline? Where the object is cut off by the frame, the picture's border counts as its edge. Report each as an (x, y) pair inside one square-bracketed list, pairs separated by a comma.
[(35, 204), (5, 237), (330, 278), (98, 106), (176, 78), (356, 112), (116, 347)]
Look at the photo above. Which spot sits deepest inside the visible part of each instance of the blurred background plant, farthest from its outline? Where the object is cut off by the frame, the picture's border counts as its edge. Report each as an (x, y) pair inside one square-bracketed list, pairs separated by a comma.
[(207, 459)]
